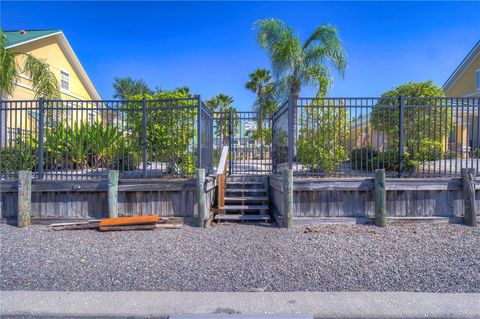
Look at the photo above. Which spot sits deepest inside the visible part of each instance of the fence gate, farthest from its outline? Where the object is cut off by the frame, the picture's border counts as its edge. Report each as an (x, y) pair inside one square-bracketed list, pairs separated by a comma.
[(249, 137)]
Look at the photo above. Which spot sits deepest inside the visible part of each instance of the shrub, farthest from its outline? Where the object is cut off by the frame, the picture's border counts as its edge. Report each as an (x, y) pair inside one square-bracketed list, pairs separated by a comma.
[(16, 157), (428, 150)]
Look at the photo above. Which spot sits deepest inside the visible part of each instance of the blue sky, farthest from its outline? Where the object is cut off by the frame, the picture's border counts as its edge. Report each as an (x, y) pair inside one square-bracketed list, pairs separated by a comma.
[(210, 46)]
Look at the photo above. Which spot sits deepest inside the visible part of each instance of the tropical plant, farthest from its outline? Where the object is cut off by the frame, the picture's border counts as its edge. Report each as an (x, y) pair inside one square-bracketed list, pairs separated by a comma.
[(88, 145), (127, 86), (222, 104), (13, 63), (296, 64), (261, 84)]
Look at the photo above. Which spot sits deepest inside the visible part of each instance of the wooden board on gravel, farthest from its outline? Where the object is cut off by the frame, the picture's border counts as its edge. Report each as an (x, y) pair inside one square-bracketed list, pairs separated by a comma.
[(131, 220)]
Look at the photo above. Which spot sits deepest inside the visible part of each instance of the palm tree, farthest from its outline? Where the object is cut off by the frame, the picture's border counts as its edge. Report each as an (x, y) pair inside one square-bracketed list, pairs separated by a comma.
[(44, 82), (222, 104), (261, 84), (296, 64), (258, 80)]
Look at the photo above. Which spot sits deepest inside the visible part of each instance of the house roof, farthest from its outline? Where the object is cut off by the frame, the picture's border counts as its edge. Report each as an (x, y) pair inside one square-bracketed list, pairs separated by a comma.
[(16, 38), (471, 56)]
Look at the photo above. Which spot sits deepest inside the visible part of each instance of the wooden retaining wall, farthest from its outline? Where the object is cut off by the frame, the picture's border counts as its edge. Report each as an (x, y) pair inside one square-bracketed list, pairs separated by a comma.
[(318, 200), (75, 200)]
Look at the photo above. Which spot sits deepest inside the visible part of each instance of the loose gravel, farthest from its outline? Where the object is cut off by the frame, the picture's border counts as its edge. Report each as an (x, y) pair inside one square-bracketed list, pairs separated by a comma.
[(428, 258)]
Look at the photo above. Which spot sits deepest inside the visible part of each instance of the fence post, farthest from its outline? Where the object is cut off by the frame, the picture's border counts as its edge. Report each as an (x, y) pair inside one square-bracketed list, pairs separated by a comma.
[(112, 194), (380, 198), (469, 206), (144, 137), (24, 198), (41, 126), (201, 196), (199, 132), (230, 141), (290, 133), (401, 137), (288, 196)]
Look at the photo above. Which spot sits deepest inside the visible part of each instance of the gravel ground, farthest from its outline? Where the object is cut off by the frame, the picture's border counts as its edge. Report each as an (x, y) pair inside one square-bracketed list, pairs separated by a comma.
[(433, 258)]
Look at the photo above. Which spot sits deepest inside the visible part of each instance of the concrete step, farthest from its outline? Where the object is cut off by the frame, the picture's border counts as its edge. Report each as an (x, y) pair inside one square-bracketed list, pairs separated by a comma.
[(242, 217), (244, 207)]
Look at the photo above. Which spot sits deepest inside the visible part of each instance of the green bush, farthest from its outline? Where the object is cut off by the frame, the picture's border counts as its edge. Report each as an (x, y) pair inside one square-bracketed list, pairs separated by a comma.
[(323, 138), (16, 157), (428, 150)]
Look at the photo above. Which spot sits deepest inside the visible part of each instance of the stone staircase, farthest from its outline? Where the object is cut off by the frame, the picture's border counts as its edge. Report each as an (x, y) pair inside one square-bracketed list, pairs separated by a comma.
[(246, 199)]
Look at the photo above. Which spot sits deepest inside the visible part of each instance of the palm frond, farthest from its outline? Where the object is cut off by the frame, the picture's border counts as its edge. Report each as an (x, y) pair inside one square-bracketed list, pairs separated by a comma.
[(283, 47), (43, 80), (8, 67), (319, 77), (323, 44)]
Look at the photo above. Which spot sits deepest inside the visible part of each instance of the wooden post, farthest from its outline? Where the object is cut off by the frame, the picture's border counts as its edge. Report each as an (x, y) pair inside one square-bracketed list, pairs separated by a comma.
[(380, 198), (112, 194), (24, 198), (288, 196), (201, 196), (469, 207)]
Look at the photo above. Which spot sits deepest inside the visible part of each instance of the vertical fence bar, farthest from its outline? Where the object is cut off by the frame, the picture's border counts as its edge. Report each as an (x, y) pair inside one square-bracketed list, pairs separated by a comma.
[(199, 132), (230, 140), (144, 137), (401, 137), (41, 125), (290, 133)]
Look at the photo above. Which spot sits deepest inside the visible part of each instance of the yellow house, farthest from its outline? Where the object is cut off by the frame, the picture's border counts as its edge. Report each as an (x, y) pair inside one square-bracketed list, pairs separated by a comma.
[(52, 47), (465, 82)]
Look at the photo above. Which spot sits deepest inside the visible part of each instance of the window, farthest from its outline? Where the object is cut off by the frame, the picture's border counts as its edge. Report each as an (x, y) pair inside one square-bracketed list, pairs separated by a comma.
[(64, 81), (478, 79)]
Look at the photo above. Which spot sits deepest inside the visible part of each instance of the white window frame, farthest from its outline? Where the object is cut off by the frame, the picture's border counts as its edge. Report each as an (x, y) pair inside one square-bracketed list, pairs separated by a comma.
[(477, 79), (61, 80)]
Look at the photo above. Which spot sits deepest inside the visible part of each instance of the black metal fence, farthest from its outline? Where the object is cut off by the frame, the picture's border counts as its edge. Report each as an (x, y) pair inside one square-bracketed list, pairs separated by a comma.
[(58, 139), (418, 137)]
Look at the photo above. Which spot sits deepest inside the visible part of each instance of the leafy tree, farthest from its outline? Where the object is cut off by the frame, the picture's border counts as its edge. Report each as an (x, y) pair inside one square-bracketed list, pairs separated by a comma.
[(128, 86), (426, 127), (12, 63), (170, 134)]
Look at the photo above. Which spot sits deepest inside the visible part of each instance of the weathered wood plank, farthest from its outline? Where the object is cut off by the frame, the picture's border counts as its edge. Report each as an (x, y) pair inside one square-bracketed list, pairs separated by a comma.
[(288, 196), (470, 211), (380, 195), (113, 193), (24, 198)]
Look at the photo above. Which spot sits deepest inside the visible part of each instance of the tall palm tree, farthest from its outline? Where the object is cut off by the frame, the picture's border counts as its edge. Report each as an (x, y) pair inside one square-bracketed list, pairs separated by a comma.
[(295, 63), (14, 63), (223, 104)]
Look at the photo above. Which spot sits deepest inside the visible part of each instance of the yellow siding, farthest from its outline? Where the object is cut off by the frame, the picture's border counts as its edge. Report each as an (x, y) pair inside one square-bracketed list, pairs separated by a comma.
[(466, 84), (360, 138), (49, 50)]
